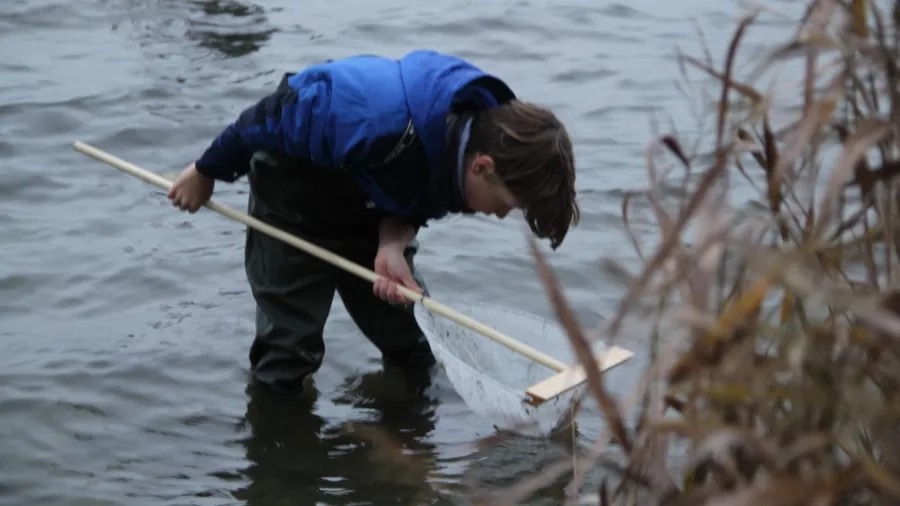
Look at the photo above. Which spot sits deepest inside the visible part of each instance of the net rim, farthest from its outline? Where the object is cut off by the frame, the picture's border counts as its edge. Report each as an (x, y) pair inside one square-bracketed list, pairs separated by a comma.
[(423, 315)]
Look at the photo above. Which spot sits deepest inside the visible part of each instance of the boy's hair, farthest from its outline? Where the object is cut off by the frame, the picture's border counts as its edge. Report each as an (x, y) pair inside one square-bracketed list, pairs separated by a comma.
[(533, 158)]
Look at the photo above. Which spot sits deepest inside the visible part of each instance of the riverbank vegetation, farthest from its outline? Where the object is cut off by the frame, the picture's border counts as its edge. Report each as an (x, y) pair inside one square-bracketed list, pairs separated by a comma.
[(776, 358)]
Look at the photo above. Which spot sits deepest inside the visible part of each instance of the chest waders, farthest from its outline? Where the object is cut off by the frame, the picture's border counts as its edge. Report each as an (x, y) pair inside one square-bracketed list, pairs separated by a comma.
[(294, 290)]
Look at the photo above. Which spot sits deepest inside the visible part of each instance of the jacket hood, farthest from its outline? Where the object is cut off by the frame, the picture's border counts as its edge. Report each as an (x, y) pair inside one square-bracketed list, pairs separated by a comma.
[(435, 83)]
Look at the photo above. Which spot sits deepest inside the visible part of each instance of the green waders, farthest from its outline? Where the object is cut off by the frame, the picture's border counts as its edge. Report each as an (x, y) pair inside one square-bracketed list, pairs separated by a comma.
[(294, 290)]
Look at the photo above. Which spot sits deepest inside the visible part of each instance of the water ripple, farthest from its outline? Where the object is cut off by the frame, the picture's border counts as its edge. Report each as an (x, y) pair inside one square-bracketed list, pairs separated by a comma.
[(127, 325)]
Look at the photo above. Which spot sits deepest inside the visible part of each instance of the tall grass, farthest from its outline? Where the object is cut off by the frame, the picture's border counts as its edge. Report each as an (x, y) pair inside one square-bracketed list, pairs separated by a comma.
[(784, 389)]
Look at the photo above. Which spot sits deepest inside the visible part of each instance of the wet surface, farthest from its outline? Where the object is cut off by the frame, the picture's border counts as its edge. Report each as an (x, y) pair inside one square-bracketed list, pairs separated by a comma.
[(126, 324)]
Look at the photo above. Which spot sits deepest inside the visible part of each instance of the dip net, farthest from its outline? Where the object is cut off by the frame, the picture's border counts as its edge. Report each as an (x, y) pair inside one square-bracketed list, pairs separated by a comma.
[(491, 378)]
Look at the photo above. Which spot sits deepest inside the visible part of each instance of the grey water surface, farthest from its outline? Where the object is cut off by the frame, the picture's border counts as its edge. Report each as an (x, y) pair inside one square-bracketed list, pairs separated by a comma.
[(125, 324)]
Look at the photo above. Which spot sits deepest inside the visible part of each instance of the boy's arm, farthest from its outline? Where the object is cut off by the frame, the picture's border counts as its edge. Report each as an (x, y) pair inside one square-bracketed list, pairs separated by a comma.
[(395, 233), (295, 123)]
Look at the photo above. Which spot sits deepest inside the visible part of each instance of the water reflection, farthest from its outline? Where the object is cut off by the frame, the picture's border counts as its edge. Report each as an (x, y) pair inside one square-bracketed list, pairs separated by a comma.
[(231, 28), (298, 457)]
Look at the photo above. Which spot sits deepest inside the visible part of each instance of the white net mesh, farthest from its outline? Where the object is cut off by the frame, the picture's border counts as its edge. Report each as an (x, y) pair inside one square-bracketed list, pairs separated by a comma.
[(490, 377)]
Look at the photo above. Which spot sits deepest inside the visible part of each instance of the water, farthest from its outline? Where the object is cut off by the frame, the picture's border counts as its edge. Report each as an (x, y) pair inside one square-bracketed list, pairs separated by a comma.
[(126, 324)]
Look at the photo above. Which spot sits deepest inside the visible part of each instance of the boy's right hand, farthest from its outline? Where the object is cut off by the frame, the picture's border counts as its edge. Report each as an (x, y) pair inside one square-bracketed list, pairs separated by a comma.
[(191, 190), (391, 265)]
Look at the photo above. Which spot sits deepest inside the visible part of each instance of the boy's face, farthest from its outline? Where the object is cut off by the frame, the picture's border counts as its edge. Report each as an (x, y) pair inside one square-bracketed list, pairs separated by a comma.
[(484, 193)]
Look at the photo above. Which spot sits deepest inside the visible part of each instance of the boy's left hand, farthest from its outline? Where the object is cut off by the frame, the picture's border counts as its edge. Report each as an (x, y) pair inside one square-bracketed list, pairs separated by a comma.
[(391, 264)]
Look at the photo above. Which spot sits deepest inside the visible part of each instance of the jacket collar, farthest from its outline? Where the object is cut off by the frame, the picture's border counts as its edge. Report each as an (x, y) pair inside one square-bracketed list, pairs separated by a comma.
[(464, 127), (445, 192), (448, 188)]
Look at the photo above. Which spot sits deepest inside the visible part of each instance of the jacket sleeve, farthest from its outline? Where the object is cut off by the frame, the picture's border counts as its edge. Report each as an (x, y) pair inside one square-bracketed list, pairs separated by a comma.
[(295, 121)]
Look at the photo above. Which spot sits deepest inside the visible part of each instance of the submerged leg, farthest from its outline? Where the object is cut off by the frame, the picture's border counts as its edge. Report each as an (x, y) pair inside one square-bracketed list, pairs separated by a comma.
[(392, 329), (293, 292)]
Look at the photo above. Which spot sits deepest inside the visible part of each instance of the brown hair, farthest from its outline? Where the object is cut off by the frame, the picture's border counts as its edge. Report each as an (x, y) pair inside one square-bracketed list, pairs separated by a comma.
[(534, 160)]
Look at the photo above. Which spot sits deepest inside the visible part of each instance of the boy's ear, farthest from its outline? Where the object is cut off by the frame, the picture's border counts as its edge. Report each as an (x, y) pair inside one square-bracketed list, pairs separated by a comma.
[(482, 164)]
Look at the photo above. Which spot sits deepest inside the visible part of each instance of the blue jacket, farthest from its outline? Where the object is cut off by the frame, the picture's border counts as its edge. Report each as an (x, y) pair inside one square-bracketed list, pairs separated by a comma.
[(383, 120)]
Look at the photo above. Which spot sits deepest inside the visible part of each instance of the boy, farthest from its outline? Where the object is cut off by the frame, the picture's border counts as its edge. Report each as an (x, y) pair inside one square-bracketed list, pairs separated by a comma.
[(356, 155)]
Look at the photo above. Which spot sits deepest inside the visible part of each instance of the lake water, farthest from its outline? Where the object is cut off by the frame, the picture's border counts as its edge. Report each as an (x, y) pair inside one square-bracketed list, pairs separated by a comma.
[(126, 325)]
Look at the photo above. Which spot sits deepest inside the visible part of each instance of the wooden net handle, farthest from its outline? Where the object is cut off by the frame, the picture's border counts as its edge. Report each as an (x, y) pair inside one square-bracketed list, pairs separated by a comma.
[(331, 258)]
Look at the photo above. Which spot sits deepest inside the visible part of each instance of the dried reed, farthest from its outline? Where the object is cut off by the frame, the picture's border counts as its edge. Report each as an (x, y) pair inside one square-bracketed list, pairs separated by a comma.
[(785, 386)]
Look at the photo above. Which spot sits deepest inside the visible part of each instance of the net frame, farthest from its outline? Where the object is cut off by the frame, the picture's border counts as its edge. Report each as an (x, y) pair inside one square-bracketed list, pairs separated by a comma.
[(477, 367), (540, 416)]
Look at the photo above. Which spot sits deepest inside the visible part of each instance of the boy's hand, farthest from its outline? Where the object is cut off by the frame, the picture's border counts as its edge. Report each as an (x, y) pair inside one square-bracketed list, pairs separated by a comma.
[(390, 264), (191, 190)]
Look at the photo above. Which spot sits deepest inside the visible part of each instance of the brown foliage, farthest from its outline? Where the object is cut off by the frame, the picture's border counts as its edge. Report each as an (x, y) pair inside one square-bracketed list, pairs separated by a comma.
[(784, 391)]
